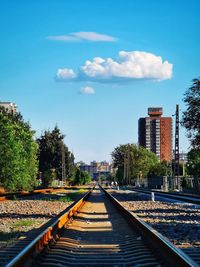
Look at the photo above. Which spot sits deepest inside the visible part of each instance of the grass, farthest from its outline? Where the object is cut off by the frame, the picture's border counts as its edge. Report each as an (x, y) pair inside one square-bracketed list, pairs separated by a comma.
[(81, 191), (23, 223), (69, 197), (65, 199)]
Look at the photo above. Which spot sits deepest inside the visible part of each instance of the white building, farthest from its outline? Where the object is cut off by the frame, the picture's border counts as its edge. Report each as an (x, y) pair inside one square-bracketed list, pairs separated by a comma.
[(9, 106)]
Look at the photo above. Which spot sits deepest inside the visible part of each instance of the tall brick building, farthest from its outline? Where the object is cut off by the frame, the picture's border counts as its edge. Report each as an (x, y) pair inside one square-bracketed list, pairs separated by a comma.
[(155, 133)]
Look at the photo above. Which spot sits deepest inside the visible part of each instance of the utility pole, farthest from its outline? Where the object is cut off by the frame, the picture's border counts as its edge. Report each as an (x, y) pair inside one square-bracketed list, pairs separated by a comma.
[(125, 177), (128, 165), (63, 164), (176, 149)]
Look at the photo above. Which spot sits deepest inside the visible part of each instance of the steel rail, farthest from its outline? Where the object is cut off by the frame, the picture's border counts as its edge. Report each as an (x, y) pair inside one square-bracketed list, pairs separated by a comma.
[(48, 234), (176, 196), (163, 248)]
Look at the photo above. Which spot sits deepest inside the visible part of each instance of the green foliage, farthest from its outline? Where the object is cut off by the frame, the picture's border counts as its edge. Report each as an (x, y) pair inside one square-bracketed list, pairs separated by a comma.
[(52, 153), (18, 153), (48, 177), (191, 117), (120, 174), (81, 177), (193, 165), (137, 161), (159, 169)]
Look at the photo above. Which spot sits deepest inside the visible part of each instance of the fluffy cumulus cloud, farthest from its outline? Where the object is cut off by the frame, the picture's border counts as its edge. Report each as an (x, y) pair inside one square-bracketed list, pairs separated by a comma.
[(83, 36), (87, 90), (129, 66), (65, 74)]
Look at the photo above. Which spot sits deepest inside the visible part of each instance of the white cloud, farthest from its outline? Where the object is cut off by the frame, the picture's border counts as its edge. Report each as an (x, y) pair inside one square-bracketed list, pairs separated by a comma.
[(64, 38), (133, 65), (87, 90), (83, 36), (93, 36), (129, 66), (65, 74)]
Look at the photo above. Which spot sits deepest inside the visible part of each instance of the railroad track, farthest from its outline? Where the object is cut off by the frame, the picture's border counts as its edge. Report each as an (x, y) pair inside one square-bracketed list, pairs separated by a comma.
[(98, 231), (14, 195), (9, 252), (177, 196), (22, 194)]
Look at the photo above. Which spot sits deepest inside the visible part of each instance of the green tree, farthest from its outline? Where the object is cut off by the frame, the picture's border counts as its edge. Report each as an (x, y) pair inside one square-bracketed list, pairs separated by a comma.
[(54, 155), (18, 153), (120, 174), (193, 166), (132, 162), (81, 177), (191, 117), (86, 178), (48, 177), (159, 169)]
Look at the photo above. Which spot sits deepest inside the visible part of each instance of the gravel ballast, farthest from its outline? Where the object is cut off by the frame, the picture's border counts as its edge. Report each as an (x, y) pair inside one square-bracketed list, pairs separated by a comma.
[(19, 217), (179, 222)]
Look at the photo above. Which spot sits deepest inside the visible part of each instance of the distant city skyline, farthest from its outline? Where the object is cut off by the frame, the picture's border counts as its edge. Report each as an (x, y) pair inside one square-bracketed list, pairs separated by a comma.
[(93, 68)]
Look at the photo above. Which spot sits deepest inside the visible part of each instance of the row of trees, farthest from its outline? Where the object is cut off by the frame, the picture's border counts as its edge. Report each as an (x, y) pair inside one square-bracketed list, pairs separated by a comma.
[(23, 159), (56, 161), (134, 163)]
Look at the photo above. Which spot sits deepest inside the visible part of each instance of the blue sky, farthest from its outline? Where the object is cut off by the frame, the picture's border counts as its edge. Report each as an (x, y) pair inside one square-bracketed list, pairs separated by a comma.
[(97, 104)]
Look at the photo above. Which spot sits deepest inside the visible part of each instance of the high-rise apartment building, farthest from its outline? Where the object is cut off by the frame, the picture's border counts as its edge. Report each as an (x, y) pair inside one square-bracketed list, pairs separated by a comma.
[(9, 106), (155, 133)]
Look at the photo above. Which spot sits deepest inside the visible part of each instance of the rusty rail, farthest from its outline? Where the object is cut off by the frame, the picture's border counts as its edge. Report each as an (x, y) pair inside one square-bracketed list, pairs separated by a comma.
[(163, 248), (50, 233)]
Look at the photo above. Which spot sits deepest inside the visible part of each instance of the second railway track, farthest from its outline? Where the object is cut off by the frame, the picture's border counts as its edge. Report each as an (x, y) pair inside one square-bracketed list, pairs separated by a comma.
[(189, 198), (103, 233)]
